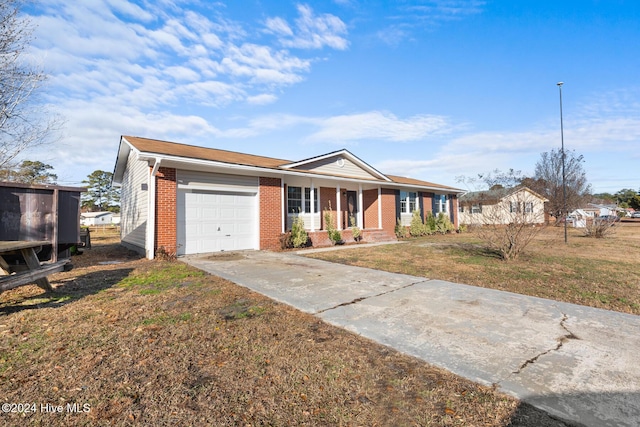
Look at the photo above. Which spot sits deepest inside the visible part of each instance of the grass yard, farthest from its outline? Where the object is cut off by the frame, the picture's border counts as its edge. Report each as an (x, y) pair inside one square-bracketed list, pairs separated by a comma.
[(603, 273), (127, 341)]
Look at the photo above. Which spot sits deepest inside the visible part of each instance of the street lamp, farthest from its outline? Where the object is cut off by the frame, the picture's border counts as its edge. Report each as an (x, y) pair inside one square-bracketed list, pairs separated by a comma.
[(564, 183)]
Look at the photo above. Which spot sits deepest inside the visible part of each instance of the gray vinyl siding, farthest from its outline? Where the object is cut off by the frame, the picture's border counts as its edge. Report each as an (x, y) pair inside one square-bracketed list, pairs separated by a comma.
[(330, 166), (134, 204)]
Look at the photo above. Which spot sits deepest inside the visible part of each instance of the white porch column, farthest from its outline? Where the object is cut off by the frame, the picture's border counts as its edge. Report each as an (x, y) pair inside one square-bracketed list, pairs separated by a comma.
[(379, 207), (283, 205), (338, 216), (360, 219), (312, 194)]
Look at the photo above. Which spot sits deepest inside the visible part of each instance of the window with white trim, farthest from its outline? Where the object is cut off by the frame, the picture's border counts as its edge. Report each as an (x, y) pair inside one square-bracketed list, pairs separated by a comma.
[(307, 200), (408, 201), (476, 209), (440, 203), (528, 207), (299, 201)]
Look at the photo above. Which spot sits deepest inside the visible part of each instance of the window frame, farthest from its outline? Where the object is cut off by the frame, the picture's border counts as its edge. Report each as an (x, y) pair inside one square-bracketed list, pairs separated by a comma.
[(441, 204), (409, 202), (302, 205)]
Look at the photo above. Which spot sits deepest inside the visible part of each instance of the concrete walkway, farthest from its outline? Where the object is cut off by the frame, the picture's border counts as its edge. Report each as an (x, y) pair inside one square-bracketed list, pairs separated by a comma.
[(577, 363)]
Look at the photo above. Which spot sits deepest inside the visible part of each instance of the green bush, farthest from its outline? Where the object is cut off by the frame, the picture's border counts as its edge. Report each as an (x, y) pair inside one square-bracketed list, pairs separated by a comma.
[(417, 227), (443, 224), (400, 230), (430, 223), (355, 230), (334, 234), (299, 237)]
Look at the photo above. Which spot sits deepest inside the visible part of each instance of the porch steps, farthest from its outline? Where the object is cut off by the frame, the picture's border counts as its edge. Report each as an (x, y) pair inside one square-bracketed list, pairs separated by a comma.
[(375, 236)]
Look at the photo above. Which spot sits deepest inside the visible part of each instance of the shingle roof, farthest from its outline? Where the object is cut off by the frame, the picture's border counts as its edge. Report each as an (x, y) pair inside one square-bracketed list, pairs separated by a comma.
[(494, 195), (194, 152), (154, 146)]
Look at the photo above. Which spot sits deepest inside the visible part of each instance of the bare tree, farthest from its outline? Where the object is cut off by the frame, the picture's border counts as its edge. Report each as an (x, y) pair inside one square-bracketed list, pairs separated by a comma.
[(506, 216), (548, 181), (23, 121)]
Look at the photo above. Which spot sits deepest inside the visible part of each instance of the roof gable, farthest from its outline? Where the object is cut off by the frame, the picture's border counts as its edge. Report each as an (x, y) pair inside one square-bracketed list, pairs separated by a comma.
[(338, 163)]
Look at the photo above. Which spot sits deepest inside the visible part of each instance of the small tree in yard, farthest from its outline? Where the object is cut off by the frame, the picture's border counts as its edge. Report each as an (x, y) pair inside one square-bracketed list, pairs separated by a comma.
[(599, 228), (329, 224), (548, 182), (508, 222), (299, 235), (417, 227)]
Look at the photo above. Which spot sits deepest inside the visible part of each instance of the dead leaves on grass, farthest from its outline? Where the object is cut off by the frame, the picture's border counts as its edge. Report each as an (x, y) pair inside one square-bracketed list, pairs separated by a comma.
[(203, 351)]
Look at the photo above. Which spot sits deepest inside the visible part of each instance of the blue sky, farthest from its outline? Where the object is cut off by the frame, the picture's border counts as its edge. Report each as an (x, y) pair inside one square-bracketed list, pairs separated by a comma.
[(433, 89)]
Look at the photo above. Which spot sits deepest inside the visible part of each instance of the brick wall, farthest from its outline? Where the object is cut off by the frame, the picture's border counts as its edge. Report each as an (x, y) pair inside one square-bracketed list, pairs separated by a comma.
[(327, 196), (389, 210), (427, 200), (454, 210), (166, 210), (370, 201), (270, 213)]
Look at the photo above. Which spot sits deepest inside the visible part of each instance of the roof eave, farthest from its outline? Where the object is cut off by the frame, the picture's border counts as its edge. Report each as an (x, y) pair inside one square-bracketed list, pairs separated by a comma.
[(154, 157)]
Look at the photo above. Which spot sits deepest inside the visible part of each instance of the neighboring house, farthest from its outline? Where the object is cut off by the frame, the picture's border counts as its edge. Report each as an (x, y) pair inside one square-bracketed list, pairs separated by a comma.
[(604, 210), (95, 218), (578, 218), (189, 199), (501, 206), (115, 219)]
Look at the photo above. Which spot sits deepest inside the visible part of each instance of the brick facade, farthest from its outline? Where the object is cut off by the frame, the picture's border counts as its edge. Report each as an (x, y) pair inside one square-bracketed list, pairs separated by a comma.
[(370, 208), (454, 210), (270, 212), (389, 211), (166, 211), (327, 199), (427, 203)]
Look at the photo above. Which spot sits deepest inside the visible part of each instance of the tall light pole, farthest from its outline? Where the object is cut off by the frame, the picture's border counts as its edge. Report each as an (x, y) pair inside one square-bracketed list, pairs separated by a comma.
[(564, 178)]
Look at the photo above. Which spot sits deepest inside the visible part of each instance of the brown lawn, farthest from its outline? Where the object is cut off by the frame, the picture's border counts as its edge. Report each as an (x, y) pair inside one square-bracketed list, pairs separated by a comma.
[(156, 343), (603, 273)]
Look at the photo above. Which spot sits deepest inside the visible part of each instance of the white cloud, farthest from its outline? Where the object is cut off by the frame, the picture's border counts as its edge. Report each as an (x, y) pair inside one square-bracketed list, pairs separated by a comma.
[(605, 129), (278, 26), (377, 125), (94, 48), (311, 31), (262, 99), (422, 15)]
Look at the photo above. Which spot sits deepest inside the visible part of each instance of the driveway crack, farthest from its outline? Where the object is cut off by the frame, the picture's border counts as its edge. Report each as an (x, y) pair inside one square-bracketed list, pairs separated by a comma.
[(357, 300), (561, 340)]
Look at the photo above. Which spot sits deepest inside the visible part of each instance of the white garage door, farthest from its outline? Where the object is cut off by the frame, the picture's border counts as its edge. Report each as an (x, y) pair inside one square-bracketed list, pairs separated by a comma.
[(212, 221)]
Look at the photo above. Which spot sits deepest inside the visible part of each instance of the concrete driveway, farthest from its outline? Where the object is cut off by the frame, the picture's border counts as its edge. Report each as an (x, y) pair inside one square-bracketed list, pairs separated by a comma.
[(577, 363)]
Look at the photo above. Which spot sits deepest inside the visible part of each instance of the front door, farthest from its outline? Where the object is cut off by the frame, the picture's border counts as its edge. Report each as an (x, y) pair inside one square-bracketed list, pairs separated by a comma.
[(352, 208)]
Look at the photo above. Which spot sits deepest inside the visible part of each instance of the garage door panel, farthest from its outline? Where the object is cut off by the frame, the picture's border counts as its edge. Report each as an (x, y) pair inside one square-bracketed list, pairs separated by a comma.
[(211, 221)]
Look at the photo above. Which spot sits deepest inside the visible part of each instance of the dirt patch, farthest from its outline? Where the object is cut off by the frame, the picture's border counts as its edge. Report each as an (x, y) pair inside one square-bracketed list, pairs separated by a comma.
[(160, 343), (226, 256)]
